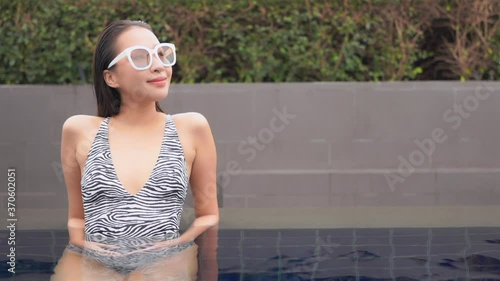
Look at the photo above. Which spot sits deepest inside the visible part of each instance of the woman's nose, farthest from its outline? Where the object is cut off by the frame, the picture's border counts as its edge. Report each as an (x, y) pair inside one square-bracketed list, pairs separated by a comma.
[(157, 65)]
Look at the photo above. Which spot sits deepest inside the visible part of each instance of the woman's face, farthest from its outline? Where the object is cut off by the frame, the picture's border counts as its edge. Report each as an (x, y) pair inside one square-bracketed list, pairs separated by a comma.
[(139, 86)]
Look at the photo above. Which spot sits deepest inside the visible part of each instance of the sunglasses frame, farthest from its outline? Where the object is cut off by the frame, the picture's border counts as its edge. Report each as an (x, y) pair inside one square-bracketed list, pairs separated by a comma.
[(129, 50)]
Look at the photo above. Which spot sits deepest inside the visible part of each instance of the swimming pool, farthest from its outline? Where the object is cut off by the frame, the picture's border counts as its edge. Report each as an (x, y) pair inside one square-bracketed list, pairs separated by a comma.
[(311, 254)]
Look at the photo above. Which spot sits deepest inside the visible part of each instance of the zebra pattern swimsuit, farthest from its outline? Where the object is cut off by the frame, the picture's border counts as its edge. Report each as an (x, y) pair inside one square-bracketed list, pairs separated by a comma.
[(133, 220)]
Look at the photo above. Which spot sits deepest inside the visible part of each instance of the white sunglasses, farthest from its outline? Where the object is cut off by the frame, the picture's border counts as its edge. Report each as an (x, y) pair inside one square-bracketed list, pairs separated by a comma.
[(141, 57)]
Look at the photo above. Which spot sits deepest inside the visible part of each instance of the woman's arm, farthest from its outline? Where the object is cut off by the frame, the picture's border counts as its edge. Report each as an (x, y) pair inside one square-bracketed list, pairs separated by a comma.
[(202, 179), (72, 177), (204, 189)]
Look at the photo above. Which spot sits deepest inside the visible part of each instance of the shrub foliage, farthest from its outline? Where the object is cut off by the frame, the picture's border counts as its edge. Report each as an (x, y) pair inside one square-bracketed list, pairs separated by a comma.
[(51, 41)]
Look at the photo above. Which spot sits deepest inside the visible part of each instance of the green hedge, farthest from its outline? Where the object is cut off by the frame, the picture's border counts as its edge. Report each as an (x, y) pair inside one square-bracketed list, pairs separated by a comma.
[(51, 42)]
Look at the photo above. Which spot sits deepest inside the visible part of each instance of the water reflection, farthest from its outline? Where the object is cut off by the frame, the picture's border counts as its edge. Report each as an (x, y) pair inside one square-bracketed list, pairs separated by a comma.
[(140, 258)]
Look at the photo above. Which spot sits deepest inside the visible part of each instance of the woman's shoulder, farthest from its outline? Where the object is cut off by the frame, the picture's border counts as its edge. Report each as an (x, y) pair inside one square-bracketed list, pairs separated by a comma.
[(78, 124), (191, 120), (195, 127)]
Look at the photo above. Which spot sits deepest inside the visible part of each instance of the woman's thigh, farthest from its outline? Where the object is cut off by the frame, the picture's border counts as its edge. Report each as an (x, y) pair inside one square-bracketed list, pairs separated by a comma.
[(75, 266), (181, 266)]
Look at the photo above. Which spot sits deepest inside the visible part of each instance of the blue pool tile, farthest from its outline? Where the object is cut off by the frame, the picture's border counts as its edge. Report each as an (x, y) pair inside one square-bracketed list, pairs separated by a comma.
[(59, 249), (260, 242), (448, 231), (408, 250), (410, 240), (34, 242), (337, 273), (482, 276), (450, 249), (61, 241), (482, 249), (331, 240), (410, 274), (33, 234), (298, 241), (494, 254), (448, 239), (328, 264), (303, 254), (260, 265), (336, 232), (371, 240), (60, 233), (27, 266), (492, 239), (259, 252), (31, 277), (229, 264), (272, 276), (483, 230), (372, 232), (374, 273), (34, 249), (375, 263), (296, 275), (446, 273), (29, 261), (229, 241), (260, 233), (409, 231), (223, 233), (483, 263), (447, 260), (410, 262), (372, 251), (297, 252), (229, 252), (298, 232), (298, 265), (231, 276), (337, 252)]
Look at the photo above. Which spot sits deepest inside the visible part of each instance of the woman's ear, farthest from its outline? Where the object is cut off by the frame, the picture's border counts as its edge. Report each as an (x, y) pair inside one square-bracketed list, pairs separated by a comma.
[(110, 79)]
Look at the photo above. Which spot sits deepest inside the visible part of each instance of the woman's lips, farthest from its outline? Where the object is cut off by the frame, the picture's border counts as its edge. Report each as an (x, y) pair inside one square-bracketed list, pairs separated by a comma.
[(160, 81)]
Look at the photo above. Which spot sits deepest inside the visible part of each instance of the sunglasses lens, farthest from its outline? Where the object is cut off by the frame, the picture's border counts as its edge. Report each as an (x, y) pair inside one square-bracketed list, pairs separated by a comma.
[(140, 58), (166, 55)]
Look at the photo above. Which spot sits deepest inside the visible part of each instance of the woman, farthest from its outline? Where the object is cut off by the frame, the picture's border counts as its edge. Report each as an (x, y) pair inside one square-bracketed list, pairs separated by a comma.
[(127, 170)]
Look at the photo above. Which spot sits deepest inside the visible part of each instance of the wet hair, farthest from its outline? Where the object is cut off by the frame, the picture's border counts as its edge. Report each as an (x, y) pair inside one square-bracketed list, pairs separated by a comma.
[(108, 99)]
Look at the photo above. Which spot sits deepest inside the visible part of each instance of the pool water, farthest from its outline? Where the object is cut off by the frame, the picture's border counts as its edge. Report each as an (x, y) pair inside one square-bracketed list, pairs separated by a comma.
[(310, 254)]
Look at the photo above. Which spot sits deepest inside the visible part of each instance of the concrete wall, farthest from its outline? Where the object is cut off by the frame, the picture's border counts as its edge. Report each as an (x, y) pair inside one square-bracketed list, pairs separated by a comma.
[(294, 144)]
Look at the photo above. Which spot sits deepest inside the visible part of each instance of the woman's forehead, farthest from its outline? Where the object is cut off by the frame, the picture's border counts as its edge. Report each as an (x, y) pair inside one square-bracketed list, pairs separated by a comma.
[(136, 36)]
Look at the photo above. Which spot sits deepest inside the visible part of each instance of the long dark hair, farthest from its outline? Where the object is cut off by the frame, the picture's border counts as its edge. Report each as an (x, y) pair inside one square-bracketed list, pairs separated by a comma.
[(108, 99)]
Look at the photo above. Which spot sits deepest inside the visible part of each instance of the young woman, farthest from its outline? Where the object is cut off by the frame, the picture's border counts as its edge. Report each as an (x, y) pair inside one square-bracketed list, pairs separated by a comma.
[(127, 170)]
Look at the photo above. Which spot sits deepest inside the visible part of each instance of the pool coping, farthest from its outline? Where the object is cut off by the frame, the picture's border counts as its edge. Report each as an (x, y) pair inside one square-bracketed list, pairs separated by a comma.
[(307, 218)]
